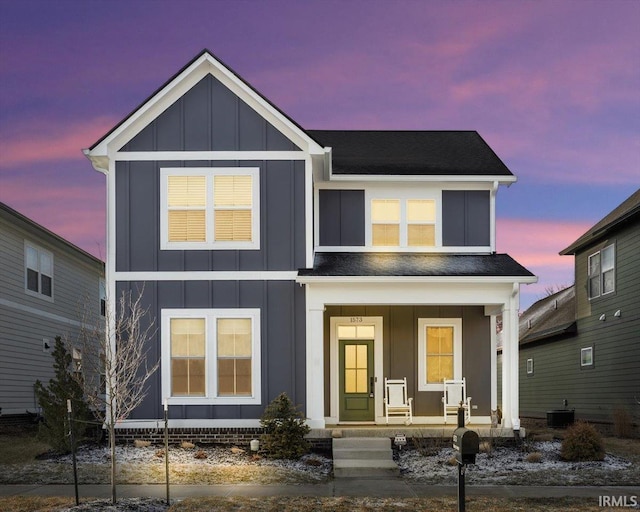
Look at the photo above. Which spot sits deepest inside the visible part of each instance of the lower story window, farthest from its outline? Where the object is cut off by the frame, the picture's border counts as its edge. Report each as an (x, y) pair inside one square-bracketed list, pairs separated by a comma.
[(439, 352), (211, 356)]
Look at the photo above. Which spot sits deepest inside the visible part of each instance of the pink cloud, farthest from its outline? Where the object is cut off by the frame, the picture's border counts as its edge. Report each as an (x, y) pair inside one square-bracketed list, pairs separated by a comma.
[(536, 244), (76, 212), (40, 142)]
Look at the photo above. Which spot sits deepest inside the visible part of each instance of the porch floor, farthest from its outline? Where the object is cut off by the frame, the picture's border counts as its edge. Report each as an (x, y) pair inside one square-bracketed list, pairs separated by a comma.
[(430, 431)]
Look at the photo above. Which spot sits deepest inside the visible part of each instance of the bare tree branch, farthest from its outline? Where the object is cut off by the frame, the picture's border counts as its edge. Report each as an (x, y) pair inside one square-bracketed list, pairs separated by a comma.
[(116, 365)]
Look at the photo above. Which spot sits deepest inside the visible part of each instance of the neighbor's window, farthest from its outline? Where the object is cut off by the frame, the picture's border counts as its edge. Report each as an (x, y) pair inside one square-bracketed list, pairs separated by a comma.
[(214, 356), (102, 291), (439, 352), (602, 272), (38, 271), (529, 366), (210, 208), (403, 223), (586, 356)]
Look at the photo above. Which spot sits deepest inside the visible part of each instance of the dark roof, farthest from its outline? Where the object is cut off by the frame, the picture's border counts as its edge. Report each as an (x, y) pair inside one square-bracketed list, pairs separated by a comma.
[(627, 210), (550, 317), (410, 153), (414, 264)]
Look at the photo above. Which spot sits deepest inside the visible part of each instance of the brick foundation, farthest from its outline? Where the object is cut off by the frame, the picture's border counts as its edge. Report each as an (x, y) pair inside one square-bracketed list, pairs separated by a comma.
[(225, 436)]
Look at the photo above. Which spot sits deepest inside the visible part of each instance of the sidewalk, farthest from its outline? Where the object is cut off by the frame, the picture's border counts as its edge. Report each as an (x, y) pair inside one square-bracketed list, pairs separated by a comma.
[(351, 487)]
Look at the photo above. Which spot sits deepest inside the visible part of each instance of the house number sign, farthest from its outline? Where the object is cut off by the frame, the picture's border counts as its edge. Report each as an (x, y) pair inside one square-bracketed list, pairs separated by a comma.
[(356, 320)]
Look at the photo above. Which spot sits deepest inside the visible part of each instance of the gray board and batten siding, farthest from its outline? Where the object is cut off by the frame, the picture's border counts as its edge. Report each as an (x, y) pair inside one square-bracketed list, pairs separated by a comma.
[(282, 221), (400, 350), (26, 319), (466, 218), (282, 339), (209, 117)]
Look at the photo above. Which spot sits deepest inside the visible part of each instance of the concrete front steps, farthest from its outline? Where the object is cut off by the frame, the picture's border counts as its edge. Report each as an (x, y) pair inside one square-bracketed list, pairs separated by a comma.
[(362, 457)]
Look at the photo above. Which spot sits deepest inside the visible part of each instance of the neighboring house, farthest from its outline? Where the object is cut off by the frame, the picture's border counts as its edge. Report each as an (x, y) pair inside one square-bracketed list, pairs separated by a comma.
[(44, 283), (580, 348), (316, 263)]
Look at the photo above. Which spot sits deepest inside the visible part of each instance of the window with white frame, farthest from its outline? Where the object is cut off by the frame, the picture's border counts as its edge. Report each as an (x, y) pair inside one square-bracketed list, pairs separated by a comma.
[(211, 356), (530, 366), (602, 272), (586, 356), (210, 208), (409, 222), (38, 264), (102, 292), (439, 352)]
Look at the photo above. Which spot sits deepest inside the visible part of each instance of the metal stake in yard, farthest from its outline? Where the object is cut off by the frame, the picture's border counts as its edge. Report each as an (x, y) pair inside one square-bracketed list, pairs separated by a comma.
[(73, 451), (166, 445)]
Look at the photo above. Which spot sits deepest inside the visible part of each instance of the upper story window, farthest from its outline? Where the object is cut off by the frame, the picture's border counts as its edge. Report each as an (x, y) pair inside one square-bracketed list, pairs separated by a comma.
[(210, 208), (403, 222), (38, 264), (602, 272)]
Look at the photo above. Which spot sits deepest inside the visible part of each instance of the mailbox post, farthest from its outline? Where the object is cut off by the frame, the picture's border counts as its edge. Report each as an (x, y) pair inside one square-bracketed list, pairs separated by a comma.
[(467, 445)]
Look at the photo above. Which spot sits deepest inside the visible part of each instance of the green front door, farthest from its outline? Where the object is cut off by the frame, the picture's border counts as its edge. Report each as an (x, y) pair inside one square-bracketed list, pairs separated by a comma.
[(356, 380)]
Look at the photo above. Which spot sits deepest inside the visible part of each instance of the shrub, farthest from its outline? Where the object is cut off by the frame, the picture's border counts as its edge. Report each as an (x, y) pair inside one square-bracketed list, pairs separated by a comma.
[(582, 442), (622, 425), (534, 457), (53, 397), (285, 429)]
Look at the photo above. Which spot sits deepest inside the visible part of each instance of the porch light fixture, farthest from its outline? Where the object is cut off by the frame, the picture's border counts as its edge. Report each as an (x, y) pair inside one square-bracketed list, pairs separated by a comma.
[(617, 313), (603, 317)]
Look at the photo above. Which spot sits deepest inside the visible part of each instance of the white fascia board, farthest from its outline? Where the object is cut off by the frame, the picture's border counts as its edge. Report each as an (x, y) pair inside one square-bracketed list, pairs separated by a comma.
[(368, 178), (145, 156), (319, 295), (417, 279), (202, 66)]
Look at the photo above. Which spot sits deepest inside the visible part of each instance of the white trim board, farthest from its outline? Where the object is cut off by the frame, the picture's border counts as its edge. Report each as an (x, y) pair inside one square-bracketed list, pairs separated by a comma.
[(205, 275)]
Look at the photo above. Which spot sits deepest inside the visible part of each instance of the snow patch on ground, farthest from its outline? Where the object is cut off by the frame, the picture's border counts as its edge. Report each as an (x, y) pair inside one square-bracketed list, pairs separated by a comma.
[(509, 465)]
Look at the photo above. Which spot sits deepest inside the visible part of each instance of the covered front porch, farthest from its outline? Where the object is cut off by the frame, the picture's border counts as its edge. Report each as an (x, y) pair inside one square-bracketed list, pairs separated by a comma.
[(390, 319)]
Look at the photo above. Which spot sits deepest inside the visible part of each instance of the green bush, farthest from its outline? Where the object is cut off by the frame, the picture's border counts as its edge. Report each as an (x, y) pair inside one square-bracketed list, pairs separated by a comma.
[(285, 429), (52, 398), (582, 442)]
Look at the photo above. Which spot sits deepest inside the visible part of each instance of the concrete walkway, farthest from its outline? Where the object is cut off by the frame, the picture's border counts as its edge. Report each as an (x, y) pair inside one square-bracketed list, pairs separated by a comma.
[(352, 487)]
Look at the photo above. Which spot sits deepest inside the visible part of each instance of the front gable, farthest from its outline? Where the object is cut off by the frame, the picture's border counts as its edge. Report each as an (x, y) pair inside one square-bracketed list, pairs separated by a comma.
[(204, 107), (210, 117)]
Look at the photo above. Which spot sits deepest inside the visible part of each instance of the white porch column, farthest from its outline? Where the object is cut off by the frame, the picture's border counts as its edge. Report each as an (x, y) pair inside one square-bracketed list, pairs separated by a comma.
[(315, 363), (510, 361)]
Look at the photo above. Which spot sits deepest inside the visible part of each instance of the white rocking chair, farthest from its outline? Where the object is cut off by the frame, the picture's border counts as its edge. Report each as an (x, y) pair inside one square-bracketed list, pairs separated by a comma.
[(396, 401), (455, 396)]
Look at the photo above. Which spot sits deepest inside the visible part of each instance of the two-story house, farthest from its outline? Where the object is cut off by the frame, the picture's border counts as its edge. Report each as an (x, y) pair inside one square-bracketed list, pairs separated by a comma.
[(580, 348), (316, 263), (46, 285)]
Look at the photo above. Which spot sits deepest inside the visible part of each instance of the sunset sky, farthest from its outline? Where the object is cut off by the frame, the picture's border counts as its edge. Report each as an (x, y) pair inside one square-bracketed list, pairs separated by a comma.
[(552, 86)]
